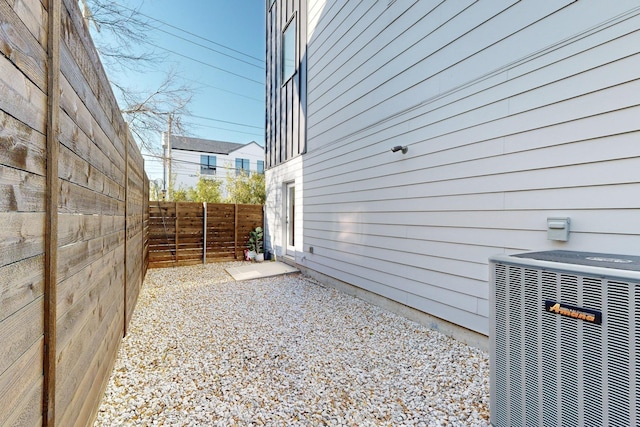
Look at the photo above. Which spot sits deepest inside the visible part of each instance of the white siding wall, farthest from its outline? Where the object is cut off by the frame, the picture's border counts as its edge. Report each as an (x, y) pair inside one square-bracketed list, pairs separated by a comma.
[(276, 180), (512, 112), (186, 167), (186, 164)]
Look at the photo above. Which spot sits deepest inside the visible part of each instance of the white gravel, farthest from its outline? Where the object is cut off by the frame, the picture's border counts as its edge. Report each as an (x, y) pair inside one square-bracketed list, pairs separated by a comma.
[(203, 350)]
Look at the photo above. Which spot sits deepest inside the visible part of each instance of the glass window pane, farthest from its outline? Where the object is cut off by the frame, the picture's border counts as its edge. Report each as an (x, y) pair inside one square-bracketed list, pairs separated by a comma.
[(208, 165), (289, 51), (242, 165)]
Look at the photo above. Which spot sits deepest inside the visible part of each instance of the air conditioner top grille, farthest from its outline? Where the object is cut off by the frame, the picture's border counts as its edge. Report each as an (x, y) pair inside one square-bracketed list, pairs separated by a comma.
[(618, 262)]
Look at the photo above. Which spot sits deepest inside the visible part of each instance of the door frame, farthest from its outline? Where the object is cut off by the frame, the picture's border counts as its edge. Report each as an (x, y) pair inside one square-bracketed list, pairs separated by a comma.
[(290, 218)]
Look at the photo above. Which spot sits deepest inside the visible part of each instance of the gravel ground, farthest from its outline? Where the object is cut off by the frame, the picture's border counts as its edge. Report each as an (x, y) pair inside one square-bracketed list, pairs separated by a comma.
[(203, 350)]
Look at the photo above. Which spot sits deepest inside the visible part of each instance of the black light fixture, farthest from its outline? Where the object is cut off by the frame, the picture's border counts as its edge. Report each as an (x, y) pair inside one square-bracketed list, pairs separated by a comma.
[(400, 147)]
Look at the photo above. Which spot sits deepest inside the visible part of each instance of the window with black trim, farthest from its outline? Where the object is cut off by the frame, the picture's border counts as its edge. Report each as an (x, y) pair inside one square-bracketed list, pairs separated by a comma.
[(242, 165), (289, 50), (207, 165)]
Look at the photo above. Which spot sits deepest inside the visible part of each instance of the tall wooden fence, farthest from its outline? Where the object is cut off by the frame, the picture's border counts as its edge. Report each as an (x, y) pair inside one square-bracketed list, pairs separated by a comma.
[(180, 232), (73, 209)]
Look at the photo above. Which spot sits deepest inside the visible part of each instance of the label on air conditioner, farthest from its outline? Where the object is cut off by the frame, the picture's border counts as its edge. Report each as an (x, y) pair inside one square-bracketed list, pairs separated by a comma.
[(586, 314)]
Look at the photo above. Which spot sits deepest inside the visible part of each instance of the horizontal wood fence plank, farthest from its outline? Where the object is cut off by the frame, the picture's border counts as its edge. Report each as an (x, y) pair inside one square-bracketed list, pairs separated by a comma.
[(21, 97), (17, 385), (21, 283), (77, 141), (74, 169), (21, 191), (19, 331), (22, 147), (85, 364), (19, 44), (76, 199), (221, 232), (21, 236), (74, 258), (35, 17), (73, 228)]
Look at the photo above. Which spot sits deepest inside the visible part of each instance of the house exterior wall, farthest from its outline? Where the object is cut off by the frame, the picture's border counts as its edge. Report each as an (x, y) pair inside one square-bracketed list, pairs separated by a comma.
[(186, 164), (285, 136), (285, 97), (512, 112), (276, 180)]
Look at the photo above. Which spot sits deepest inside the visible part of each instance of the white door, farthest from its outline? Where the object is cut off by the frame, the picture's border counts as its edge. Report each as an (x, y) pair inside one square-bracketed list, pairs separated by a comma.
[(290, 223)]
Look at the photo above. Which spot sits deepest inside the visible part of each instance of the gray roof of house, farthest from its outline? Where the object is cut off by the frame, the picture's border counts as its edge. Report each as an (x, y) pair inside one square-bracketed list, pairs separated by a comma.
[(203, 145)]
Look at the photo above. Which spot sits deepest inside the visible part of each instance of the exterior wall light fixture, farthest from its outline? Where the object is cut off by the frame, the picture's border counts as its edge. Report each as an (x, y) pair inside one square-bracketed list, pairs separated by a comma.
[(400, 147)]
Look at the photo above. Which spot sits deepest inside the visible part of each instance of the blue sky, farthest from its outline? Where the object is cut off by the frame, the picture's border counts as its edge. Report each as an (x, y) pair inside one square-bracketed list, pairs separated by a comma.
[(227, 75)]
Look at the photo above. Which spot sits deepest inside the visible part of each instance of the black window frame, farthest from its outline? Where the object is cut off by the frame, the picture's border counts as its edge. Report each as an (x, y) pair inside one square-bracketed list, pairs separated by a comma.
[(206, 168)]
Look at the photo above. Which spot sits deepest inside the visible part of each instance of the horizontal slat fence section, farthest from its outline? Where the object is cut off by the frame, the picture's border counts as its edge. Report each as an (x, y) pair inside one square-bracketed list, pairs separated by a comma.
[(177, 232), (74, 211)]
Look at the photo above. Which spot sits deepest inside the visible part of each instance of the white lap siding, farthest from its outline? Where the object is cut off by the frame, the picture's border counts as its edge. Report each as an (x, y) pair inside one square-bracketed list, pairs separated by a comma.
[(512, 112)]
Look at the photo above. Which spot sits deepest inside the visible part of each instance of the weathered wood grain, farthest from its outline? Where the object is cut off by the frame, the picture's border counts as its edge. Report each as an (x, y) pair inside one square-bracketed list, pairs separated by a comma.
[(77, 141), (74, 258), (22, 147), (19, 45), (73, 105), (90, 391), (21, 236), (62, 267), (17, 384), (21, 191), (90, 306), (21, 283), (21, 97), (33, 15), (79, 363), (28, 410), (74, 228), (19, 331), (77, 199), (77, 171), (74, 290), (77, 38)]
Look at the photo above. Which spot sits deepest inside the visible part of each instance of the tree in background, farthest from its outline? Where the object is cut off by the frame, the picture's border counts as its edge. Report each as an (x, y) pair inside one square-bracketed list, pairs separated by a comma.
[(206, 190), (243, 188)]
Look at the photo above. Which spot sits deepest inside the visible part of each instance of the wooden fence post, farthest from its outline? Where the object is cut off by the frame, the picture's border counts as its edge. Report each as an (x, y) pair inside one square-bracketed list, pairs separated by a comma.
[(52, 197), (235, 232), (176, 235), (204, 231)]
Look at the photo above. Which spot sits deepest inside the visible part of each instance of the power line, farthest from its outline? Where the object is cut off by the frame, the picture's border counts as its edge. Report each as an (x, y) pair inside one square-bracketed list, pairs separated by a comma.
[(205, 63), (222, 121), (229, 130), (193, 34), (223, 90), (209, 48)]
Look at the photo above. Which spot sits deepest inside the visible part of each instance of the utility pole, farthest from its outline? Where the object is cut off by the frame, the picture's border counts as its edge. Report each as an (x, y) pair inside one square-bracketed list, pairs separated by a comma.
[(169, 144), (166, 157)]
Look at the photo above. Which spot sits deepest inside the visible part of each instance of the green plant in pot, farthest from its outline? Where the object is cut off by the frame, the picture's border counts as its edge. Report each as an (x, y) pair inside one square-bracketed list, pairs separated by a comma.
[(255, 244)]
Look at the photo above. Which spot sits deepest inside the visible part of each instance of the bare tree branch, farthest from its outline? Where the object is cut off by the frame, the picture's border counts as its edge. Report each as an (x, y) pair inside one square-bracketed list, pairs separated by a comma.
[(123, 44)]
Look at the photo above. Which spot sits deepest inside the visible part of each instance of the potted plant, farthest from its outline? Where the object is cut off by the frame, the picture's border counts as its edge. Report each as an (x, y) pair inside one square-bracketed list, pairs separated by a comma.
[(255, 244)]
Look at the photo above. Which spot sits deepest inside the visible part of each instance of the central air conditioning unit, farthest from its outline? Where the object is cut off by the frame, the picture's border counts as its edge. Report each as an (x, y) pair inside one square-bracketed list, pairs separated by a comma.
[(565, 339)]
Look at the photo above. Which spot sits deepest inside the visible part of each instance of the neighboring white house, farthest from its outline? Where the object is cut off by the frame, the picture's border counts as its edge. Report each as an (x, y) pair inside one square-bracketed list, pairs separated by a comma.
[(511, 112), (192, 158)]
